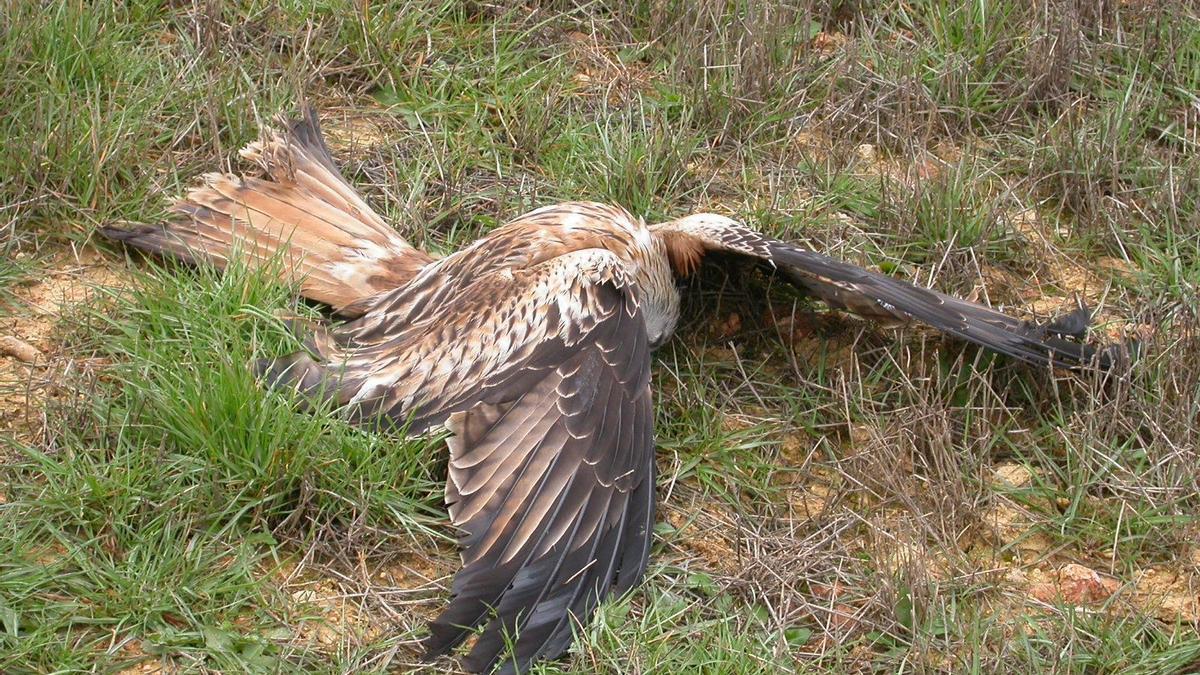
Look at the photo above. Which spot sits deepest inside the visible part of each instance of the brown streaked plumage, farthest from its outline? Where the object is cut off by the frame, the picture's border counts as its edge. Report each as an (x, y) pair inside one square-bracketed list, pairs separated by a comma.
[(532, 347), (301, 212)]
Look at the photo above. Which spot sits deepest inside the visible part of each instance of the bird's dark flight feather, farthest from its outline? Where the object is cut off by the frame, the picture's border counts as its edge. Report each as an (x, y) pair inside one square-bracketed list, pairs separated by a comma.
[(891, 300)]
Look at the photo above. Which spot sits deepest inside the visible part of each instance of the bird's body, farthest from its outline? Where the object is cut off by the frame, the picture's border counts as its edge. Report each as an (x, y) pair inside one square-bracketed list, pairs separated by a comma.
[(591, 230), (531, 345)]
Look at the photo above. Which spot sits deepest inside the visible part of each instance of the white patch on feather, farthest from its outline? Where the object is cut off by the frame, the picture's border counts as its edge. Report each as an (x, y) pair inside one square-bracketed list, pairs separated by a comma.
[(644, 239), (346, 271), (365, 248), (572, 221)]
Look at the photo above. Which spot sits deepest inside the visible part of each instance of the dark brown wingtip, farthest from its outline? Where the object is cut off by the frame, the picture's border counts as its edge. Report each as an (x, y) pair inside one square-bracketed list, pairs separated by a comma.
[(1072, 328), (306, 125), (1038, 344), (132, 233), (1073, 324), (1118, 355), (294, 371), (155, 240), (305, 130)]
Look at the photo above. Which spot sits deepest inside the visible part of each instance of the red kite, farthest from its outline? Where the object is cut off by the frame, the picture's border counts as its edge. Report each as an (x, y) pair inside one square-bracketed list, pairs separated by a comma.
[(532, 346)]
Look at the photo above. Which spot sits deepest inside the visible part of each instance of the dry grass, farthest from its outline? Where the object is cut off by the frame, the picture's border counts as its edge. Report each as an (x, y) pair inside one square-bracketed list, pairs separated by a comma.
[(835, 498)]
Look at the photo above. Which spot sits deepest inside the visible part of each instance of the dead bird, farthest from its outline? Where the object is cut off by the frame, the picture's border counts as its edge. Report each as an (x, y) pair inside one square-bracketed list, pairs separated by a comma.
[(532, 347)]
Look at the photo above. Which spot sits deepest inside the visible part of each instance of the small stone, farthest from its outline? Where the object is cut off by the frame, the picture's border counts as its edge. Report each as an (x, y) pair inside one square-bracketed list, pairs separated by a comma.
[(861, 435), (1076, 585), (827, 43), (1016, 575), (19, 349), (1013, 475), (325, 635)]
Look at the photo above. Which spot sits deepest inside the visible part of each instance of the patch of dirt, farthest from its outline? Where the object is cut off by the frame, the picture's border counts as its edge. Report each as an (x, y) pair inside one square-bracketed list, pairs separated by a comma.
[(792, 326), (813, 143), (838, 354), (708, 532), (1003, 286), (34, 362), (810, 501), (1013, 475), (337, 617), (843, 611), (1010, 529), (51, 555), (144, 663), (1039, 573), (796, 448), (927, 164), (731, 325), (599, 71), (901, 555), (344, 604), (347, 134), (1169, 595), (828, 44)]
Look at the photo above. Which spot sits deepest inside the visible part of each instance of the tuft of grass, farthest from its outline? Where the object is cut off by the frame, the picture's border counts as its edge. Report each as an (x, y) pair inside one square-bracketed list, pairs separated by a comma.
[(189, 385), (637, 157), (692, 627), (12, 271)]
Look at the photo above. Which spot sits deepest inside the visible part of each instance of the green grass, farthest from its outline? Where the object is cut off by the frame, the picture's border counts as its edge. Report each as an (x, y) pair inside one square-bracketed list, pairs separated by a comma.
[(166, 510), (161, 508)]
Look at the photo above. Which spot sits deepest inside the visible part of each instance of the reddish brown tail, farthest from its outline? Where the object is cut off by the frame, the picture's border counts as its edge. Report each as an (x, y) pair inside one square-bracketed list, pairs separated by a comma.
[(301, 216)]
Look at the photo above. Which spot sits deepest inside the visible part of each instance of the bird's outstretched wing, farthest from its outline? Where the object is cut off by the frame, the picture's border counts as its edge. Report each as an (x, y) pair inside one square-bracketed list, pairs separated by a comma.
[(300, 220), (878, 296), (543, 378)]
